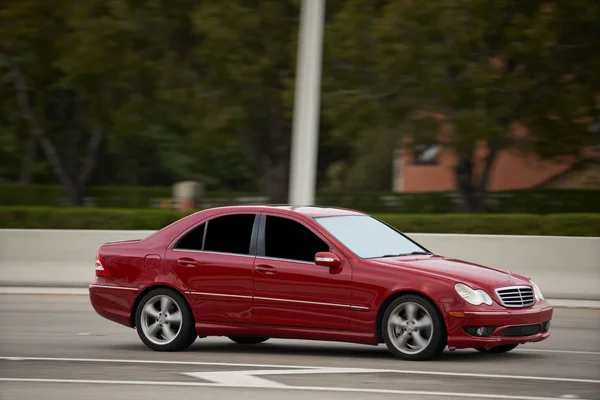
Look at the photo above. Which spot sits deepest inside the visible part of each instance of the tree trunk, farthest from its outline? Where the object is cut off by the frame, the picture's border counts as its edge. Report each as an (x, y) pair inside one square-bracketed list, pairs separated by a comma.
[(277, 178), (271, 153), (473, 188), (276, 183), (274, 173), (75, 195), (466, 188), (74, 183), (29, 156)]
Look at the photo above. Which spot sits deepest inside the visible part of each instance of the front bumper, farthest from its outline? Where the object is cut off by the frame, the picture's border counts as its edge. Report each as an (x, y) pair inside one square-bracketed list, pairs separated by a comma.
[(502, 326)]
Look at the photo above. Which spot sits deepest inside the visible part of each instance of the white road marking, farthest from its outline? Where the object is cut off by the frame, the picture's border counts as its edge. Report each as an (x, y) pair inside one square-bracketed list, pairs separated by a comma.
[(165, 362), (305, 367), (594, 353), (248, 378), (305, 388)]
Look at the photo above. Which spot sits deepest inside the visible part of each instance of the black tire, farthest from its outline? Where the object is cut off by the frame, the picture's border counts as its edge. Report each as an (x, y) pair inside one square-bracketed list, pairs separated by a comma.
[(436, 336), (505, 348), (248, 339), (184, 331)]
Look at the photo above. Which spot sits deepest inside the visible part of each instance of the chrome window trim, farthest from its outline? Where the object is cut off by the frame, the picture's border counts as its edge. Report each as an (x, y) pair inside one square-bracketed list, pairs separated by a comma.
[(287, 260), (214, 252), (114, 287), (246, 255)]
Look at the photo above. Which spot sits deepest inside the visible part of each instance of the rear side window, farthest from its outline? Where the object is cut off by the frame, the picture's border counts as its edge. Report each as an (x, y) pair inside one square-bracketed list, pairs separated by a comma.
[(290, 240), (193, 239), (229, 234), (226, 234)]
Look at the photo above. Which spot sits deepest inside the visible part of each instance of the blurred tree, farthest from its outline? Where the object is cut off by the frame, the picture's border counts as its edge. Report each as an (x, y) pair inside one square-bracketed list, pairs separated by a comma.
[(246, 58), (25, 44), (164, 90), (55, 115), (118, 80), (475, 66), (101, 79), (356, 95)]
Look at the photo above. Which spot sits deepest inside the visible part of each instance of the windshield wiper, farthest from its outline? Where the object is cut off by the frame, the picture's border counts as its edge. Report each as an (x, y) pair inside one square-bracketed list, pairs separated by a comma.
[(414, 253)]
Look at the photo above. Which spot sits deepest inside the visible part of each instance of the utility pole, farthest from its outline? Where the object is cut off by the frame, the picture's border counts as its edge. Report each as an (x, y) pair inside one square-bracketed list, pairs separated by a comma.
[(305, 133)]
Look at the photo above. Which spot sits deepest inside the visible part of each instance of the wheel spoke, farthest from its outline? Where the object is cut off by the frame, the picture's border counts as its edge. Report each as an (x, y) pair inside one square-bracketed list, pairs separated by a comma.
[(402, 339), (175, 317), (397, 320), (167, 332), (419, 340), (424, 322), (411, 311), (165, 302), (153, 328), (149, 310)]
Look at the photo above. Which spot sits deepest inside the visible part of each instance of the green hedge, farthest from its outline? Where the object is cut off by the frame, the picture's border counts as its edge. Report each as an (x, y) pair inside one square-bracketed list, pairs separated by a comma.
[(534, 201), (85, 218), (148, 219), (498, 224)]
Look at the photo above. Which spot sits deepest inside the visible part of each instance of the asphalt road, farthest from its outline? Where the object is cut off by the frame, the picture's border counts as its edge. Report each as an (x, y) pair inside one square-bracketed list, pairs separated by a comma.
[(57, 347)]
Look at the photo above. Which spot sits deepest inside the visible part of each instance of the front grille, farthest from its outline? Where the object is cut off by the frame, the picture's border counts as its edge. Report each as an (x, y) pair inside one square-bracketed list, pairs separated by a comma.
[(523, 330), (516, 296)]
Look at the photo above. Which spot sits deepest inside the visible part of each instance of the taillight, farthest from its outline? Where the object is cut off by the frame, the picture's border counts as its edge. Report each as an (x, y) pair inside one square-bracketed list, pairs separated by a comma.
[(100, 270)]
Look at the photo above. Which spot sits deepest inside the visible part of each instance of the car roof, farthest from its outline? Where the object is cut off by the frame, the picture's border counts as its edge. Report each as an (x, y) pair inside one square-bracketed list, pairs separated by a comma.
[(309, 211)]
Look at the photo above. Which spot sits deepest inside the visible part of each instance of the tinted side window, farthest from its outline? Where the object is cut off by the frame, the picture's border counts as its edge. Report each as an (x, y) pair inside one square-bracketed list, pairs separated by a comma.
[(229, 234), (288, 239), (193, 239)]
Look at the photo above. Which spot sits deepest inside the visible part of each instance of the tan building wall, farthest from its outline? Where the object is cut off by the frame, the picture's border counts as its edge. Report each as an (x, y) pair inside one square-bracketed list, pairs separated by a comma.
[(585, 178), (512, 170)]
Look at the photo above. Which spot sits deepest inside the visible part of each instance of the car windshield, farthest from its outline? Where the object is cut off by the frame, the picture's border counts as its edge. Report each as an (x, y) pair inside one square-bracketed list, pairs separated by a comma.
[(368, 237)]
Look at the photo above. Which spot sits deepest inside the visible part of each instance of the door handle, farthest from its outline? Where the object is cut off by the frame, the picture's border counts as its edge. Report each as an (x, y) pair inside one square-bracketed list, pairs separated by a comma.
[(187, 262), (266, 269)]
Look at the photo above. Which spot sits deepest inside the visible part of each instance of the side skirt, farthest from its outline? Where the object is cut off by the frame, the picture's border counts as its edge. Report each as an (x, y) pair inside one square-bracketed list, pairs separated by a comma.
[(221, 329)]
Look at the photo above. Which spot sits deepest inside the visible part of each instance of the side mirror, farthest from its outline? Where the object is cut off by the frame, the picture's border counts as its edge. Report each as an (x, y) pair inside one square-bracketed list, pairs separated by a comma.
[(327, 259)]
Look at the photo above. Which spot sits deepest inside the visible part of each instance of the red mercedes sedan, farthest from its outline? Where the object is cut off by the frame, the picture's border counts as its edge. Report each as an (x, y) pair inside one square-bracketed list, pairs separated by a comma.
[(257, 272)]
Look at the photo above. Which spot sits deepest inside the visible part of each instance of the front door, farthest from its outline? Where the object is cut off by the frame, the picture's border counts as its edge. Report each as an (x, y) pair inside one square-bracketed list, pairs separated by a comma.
[(215, 261), (289, 288)]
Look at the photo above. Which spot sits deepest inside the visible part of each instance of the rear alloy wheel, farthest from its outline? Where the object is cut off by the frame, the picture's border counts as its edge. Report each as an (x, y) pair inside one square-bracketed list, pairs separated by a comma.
[(505, 348), (413, 329), (248, 339), (164, 321)]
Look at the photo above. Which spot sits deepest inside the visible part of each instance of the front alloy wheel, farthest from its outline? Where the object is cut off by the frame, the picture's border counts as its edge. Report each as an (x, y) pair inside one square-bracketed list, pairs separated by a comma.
[(413, 329), (164, 321)]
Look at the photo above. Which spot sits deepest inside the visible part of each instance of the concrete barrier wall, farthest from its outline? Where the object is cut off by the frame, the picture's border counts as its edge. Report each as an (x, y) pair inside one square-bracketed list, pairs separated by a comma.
[(564, 267), (53, 257)]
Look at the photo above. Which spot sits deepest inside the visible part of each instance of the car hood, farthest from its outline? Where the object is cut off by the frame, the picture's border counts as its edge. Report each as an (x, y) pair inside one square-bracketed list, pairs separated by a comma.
[(472, 274)]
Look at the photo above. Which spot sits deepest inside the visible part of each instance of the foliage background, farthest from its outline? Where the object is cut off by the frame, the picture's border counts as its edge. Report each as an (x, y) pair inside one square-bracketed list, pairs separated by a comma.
[(147, 93)]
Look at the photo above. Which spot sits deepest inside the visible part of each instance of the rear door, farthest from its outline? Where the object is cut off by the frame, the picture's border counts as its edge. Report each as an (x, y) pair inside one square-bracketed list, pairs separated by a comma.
[(215, 261)]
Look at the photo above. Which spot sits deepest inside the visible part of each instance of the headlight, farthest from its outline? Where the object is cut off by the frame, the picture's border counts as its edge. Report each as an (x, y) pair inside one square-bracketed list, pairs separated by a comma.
[(475, 297), (536, 291)]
